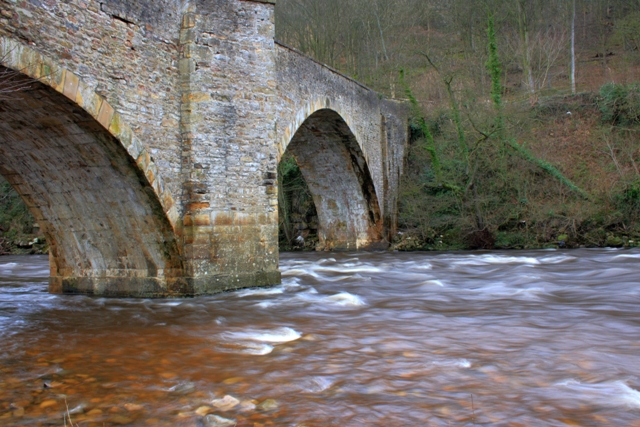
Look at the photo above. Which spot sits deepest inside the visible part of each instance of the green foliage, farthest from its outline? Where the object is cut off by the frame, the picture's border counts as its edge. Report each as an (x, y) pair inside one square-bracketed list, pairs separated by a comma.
[(13, 213), (16, 222), (495, 70), (484, 191), (294, 200), (418, 120), (620, 104), (545, 166), (514, 240), (627, 31), (627, 200)]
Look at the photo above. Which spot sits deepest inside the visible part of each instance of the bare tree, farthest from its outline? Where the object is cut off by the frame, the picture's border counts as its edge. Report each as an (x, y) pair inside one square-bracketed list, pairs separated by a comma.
[(573, 48), (11, 81)]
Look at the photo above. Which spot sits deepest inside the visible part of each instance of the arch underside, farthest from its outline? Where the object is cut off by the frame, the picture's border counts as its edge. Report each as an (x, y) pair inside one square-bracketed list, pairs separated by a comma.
[(107, 231), (338, 178)]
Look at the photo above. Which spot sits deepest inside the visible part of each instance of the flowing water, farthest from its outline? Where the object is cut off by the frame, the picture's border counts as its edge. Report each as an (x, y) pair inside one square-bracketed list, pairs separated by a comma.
[(536, 338)]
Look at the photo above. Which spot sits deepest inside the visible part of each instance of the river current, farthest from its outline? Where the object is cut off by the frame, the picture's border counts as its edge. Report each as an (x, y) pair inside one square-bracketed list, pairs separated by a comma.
[(519, 338)]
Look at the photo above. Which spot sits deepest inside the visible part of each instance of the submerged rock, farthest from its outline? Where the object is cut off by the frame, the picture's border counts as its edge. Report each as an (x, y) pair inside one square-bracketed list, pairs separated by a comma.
[(268, 405), (183, 388), (226, 403), (120, 420), (204, 410), (217, 421), (247, 406)]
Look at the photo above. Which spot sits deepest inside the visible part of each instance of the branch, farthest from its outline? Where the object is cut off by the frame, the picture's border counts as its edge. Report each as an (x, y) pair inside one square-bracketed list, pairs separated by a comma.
[(546, 166)]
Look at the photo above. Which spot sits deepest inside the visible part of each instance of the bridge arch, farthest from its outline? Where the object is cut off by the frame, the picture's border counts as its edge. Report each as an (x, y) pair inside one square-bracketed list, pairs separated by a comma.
[(89, 182), (326, 147)]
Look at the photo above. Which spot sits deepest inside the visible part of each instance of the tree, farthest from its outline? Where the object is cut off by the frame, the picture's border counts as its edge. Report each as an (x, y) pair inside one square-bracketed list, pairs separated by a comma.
[(573, 47)]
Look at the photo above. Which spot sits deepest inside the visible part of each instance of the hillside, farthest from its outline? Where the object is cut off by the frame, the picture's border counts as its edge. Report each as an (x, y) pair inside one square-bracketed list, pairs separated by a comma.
[(510, 148)]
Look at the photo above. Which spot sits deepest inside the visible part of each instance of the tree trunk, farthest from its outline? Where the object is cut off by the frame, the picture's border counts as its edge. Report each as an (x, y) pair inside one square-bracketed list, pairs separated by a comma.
[(573, 49), (523, 28)]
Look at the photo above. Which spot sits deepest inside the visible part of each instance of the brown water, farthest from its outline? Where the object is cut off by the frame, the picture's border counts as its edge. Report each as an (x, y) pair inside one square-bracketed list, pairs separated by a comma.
[(538, 338)]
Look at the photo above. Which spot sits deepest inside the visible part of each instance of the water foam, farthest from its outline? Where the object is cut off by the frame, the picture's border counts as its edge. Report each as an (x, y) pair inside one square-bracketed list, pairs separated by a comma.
[(317, 384), (345, 269), (615, 393), (558, 259), (433, 282), (297, 272), (8, 266), (626, 256), (497, 259), (278, 335), (261, 291), (460, 363), (257, 349), (342, 299), (345, 299)]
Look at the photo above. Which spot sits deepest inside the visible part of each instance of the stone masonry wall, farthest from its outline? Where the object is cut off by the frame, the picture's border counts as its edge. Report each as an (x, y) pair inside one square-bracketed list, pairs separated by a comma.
[(228, 128), (335, 170), (124, 50)]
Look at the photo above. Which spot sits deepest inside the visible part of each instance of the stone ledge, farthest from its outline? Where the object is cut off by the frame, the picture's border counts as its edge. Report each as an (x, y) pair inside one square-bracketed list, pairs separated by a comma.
[(156, 287), (224, 283), (132, 287), (263, 1)]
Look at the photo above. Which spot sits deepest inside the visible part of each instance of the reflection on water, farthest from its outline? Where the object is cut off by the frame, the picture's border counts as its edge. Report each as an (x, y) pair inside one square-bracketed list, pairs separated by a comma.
[(536, 338)]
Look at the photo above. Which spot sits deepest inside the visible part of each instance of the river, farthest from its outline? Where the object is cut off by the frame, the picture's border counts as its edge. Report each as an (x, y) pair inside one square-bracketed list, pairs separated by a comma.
[(518, 338)]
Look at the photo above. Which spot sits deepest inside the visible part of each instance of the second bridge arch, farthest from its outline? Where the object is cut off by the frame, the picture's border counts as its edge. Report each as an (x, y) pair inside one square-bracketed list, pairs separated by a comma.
[(339, 180)]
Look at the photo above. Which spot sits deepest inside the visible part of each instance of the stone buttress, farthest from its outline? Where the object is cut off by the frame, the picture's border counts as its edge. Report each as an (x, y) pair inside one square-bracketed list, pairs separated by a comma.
[(228, 114)]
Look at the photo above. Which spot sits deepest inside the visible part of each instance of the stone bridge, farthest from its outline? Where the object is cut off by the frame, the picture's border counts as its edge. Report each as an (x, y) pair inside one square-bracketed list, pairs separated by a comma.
[(145, 138)]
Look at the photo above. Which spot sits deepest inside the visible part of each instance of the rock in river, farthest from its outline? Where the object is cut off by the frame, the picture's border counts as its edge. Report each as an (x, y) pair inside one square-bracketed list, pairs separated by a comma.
[(216, 421)]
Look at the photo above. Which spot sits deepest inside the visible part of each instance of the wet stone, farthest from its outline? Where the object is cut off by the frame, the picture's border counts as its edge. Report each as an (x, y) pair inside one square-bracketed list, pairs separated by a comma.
[(268, 405), (218, 421), (133, 407), (226, 403), (48, 403), (204, 410), (247, 406), (120, 420), (79, 409), (184, 388)]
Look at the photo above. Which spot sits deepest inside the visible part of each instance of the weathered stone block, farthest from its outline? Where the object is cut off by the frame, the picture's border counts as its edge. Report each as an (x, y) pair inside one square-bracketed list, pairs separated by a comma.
[(105, 115), (71, 82)]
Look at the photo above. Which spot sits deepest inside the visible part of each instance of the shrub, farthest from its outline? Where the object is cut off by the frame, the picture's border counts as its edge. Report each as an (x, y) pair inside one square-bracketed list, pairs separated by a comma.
[(620, 104)]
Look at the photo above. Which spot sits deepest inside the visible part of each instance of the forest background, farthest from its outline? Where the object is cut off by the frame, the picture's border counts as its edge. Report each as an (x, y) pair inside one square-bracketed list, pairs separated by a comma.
[(523, 136)]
